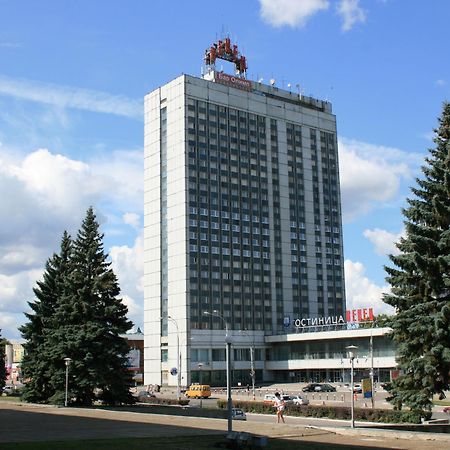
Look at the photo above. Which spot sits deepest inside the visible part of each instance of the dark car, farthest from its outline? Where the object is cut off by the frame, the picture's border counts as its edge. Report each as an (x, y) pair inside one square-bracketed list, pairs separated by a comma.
[(311, 387), (319, 387), (144, 396), (327, 388)]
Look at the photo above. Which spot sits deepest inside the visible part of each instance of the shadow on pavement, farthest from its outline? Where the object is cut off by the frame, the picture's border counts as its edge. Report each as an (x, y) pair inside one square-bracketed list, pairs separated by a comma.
[(18, 425)]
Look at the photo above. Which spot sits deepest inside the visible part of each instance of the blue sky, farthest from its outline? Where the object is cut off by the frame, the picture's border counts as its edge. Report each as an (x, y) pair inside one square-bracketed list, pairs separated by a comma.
[(72, 80)]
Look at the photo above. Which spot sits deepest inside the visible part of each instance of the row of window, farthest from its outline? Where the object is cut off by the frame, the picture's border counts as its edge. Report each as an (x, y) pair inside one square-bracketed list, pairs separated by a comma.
[(226, 251)]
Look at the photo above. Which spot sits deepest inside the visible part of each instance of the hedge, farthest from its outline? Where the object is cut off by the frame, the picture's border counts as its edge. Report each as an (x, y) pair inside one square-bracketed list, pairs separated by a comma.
[(330, 412), (168, 401)]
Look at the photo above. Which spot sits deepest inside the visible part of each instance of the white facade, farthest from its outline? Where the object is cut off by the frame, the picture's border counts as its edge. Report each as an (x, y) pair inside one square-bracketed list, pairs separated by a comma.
[(242, 217)]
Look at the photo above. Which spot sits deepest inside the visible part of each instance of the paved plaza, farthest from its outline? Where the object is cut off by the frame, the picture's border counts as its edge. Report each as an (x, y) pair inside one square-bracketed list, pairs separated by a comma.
[(31, 423)]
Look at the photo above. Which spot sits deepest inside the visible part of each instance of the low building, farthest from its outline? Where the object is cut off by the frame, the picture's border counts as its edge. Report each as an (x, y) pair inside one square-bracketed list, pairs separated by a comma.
[(322, 356), (135, 341)]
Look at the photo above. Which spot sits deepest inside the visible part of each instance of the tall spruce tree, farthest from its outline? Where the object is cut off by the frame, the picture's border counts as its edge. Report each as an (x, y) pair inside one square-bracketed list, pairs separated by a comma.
[(2, 362), (38, 360), (90, 317), (420, 284)]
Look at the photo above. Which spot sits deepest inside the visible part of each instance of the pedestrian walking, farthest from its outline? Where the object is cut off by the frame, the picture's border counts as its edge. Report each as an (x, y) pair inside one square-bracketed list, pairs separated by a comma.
[(280, 405)]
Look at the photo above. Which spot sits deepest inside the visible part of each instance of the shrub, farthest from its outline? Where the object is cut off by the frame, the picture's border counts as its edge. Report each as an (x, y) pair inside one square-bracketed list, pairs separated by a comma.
[(169, 401), (330, 412)]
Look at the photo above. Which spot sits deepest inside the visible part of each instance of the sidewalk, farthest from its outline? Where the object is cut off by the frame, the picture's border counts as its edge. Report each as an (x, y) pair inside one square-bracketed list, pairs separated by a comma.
[(46, 423)]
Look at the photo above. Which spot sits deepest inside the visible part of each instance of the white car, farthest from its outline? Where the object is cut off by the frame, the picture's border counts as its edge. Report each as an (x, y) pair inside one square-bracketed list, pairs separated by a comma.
[(269, 399), (299, 400)]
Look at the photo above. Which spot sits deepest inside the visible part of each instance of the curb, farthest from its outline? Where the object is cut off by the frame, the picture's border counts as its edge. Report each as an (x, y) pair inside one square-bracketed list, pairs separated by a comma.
[(397, 434)]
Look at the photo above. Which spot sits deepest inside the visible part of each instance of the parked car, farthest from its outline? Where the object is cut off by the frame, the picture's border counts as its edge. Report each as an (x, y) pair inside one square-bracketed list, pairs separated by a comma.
[(319, 387), (269, 399), (312, 387), (8, 390), (287, 400), (145, 397), (357, 388), (325, 387), (238, 414), (299, 400)]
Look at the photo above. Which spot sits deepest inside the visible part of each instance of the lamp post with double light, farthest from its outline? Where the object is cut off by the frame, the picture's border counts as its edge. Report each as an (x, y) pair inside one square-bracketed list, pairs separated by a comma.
[(67, 362), (351, 350), (215, 313), (178, 355)]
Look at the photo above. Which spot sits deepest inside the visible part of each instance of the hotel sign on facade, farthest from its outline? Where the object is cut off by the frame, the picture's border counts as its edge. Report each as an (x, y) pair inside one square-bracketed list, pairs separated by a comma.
[(351, 316), (230, 80)]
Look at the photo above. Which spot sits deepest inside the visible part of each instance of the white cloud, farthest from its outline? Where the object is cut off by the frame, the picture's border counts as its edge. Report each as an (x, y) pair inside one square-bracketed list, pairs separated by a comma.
[(362, 292), (294, 13), (351, 13), (384, 241), (132, 219), (441, 83), (42, 195), (370, 175), (128, 265), (71, 97)]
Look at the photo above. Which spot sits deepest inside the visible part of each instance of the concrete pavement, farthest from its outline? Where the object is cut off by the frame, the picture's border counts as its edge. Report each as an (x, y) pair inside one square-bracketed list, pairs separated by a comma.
[(23, 422)]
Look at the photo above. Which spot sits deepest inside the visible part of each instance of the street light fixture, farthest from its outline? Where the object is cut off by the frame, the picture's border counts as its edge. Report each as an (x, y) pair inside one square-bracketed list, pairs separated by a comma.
[(215, 313), (178, 355), (351, 349), (67, 362)]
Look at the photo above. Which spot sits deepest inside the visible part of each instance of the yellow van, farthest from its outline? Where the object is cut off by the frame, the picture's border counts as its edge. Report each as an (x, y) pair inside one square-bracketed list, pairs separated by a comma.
[(199, 391)]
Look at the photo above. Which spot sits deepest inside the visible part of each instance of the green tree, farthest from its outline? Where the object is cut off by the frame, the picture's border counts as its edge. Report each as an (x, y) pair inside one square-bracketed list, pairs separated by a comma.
[(420, 283), (90, 317), (2, 362), (37, 363)]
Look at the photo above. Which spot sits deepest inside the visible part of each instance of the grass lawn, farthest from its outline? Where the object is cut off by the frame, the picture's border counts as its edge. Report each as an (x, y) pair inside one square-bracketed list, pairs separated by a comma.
[(441, 402), (8, 398), (168, 443)]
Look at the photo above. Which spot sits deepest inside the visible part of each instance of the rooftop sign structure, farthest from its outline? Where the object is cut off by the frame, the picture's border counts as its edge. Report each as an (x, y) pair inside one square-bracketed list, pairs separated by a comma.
[(223, 49)]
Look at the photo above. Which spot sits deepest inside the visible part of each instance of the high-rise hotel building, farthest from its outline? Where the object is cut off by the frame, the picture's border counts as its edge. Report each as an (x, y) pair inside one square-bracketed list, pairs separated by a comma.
[(242, 220)]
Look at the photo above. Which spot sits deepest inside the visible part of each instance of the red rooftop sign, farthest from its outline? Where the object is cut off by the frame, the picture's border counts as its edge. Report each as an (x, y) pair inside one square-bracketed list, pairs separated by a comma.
[(230, 80)]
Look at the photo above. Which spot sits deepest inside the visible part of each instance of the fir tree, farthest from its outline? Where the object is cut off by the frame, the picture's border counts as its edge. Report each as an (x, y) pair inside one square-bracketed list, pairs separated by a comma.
[(420, 284), (2, 362), (90, 317), (37, 363)]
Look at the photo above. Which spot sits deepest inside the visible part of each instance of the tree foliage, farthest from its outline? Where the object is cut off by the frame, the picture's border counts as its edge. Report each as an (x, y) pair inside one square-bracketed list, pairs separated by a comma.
[(420, 283), (78, 315), (37, 365)]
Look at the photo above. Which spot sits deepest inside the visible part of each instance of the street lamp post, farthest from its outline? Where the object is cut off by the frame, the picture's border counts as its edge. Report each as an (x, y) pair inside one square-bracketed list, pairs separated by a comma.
[(178, 356), (67, 362), (352, 354), (252, 364), (372, 398), (252, 370), (200, 365), (228, 357)]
